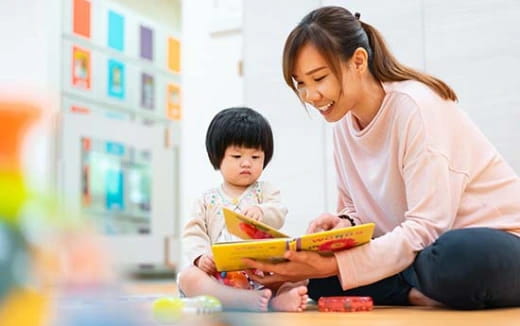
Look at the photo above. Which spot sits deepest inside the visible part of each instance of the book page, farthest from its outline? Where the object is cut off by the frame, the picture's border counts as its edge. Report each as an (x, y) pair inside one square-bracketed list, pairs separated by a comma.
[(247, 228)]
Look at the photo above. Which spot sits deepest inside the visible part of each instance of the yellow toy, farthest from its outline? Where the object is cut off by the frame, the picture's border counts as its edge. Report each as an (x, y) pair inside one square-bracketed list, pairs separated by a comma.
[(170, 309)]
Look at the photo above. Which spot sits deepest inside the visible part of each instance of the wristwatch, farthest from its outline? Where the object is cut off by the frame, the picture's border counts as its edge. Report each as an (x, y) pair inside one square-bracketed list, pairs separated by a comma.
[(346, 217)]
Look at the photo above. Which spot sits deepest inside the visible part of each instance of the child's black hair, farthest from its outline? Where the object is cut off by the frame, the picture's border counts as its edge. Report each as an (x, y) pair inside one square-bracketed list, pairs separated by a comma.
[(239, 126)]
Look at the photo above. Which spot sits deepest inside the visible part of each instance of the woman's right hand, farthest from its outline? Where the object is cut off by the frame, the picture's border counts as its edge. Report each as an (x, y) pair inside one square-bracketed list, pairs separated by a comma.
[(326, 222)]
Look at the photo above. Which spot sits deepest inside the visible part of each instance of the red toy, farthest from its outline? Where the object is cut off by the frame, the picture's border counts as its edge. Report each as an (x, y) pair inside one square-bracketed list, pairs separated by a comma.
[(345, 304), (234, 279)]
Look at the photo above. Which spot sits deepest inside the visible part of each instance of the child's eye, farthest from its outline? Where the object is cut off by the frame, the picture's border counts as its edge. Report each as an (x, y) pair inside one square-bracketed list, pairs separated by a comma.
[(256, 157), (235, 156)]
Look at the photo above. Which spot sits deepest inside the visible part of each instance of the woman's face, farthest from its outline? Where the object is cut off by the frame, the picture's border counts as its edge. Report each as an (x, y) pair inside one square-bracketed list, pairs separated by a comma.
[(318, 86)]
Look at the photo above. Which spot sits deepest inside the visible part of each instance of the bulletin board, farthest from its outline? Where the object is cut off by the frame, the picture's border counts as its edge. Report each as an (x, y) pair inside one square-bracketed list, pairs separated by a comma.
[(117, 60)]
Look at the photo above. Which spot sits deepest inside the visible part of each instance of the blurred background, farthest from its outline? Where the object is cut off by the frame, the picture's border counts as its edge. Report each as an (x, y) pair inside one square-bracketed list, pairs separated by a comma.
[(127, 88)]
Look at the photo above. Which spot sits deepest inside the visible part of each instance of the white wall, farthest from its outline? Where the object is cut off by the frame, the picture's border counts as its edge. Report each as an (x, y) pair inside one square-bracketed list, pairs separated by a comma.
[(210, 57), (472, 45), (298, 166)]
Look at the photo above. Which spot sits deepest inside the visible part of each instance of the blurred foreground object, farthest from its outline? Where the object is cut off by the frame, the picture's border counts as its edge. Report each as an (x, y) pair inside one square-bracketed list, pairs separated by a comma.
[(170, 309), (45, 253), (18, 304)]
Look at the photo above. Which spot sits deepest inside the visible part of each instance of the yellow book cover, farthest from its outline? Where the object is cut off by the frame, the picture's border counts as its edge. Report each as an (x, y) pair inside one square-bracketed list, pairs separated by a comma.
[(269, 244)]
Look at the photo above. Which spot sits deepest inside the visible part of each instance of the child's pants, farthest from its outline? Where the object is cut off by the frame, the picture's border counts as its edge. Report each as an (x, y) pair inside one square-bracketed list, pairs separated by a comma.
[(471, 268)]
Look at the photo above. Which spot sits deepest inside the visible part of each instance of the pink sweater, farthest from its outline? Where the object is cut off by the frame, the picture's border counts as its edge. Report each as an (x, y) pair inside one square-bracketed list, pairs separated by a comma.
[(419, 169)]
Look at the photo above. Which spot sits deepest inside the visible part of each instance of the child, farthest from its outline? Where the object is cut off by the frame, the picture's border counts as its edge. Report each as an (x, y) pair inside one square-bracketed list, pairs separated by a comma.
[(239, 143)]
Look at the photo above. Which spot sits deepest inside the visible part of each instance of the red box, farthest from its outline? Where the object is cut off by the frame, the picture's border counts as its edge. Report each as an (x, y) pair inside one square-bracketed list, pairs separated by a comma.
[(345, 304)]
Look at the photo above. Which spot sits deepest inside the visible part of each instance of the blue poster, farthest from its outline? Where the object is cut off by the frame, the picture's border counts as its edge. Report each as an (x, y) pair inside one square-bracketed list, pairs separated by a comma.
[(114, 187), (116, 79), (116, 31)]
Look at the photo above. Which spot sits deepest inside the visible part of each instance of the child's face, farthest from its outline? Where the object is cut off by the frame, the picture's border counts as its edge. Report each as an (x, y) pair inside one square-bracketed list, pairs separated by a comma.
[(242, 166)]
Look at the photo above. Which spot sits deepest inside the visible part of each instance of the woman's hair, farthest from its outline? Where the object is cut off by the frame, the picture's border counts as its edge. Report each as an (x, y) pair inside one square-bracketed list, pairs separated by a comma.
[(241, 126), (336, 33)]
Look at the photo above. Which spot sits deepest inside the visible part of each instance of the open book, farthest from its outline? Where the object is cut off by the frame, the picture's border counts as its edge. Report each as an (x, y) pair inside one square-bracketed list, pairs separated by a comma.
[(263, 242)]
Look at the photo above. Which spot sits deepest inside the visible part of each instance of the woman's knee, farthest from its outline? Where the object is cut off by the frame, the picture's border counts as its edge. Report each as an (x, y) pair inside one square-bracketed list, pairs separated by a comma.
[(464, 268)]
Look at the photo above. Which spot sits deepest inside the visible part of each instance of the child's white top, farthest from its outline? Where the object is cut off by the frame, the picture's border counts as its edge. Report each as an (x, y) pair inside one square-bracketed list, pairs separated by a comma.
[(420, 168), (207, 225)]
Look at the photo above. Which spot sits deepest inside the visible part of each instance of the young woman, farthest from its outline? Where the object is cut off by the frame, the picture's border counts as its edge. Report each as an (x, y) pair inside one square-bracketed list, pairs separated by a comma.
[(445, 203)]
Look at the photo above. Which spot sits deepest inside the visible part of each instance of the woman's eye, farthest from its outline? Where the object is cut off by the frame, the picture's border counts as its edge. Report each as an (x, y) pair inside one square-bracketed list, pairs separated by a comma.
[(320, 78)]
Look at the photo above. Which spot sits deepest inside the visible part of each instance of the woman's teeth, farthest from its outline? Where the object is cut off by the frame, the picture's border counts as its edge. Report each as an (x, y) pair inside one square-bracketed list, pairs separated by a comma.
[(325, 107)]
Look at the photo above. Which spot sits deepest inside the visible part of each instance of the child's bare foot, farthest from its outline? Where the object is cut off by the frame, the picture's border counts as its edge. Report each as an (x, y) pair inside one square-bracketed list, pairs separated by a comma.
[(294, 300), (416, 298), (249, 300)]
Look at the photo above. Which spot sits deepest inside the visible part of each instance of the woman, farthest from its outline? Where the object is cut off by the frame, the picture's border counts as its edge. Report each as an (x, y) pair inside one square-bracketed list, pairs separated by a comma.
[(445, 203)]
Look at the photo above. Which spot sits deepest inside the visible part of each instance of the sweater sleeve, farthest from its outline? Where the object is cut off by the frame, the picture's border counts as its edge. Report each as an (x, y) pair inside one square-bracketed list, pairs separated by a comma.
[(433, 192), (195, 238), (345, 204), (272, 207)]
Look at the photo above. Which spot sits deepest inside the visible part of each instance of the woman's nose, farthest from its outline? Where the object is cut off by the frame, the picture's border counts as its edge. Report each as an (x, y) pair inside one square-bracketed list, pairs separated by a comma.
[(312, 96)]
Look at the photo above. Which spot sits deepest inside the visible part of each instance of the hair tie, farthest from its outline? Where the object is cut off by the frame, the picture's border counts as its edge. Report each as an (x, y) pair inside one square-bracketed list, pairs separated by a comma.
[(357, 15)]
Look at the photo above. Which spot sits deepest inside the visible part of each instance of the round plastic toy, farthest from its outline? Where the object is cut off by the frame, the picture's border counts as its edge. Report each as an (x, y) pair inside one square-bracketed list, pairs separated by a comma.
[(170, 309)]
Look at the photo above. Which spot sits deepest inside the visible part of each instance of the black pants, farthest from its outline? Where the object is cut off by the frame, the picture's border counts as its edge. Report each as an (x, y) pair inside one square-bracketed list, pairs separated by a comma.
[(472, 268)]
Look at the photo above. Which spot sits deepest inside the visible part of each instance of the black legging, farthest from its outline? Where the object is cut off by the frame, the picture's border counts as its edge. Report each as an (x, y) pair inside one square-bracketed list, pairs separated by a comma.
[(472, 268)]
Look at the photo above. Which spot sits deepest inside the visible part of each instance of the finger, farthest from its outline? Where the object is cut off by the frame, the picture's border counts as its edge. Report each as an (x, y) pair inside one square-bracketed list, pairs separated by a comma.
[(252, 264), (267, 279), (261, 266), (298, 257), (312, 227)]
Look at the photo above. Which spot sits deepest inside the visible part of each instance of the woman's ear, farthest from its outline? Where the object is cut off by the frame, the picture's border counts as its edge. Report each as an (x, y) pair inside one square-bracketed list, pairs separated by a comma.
[(360, 59)]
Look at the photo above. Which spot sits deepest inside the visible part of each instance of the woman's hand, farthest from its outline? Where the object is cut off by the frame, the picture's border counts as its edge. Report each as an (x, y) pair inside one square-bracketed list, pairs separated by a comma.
[(301, 266), (326, 222)]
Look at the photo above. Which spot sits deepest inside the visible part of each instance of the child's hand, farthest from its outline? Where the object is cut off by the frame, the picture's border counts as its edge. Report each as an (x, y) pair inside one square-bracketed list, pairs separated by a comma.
[(207, 264), (254, 212)]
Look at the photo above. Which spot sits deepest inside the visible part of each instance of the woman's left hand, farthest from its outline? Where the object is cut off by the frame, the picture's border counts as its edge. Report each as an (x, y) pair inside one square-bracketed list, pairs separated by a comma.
[(302, 265)]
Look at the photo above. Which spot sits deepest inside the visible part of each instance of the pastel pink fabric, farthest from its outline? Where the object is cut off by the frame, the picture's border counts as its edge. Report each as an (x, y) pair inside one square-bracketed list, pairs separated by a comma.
[(420, 168)]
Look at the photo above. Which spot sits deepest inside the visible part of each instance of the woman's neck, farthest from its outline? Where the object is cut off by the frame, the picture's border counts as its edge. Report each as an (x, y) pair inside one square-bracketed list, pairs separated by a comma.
[(373, 95)]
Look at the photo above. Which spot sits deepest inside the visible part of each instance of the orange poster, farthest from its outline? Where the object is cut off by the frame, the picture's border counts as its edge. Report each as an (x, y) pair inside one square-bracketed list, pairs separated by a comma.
[(173, 99), (81, 18), (80, 68), (174, 55)]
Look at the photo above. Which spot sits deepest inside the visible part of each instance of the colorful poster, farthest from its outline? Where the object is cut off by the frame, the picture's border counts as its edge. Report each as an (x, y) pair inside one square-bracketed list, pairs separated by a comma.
[(114, 182), (174, 55), (116, 79), (116, 31), (147, 91), (173, 99), (146, 42), (80, 68), (81, 18)]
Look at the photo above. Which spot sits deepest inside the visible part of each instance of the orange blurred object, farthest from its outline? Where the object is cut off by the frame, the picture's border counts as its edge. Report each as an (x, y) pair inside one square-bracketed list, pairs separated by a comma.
[(15, 119)]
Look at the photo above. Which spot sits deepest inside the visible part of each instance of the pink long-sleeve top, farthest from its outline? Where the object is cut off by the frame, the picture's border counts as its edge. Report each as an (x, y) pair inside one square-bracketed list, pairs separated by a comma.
[(420, 168)]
